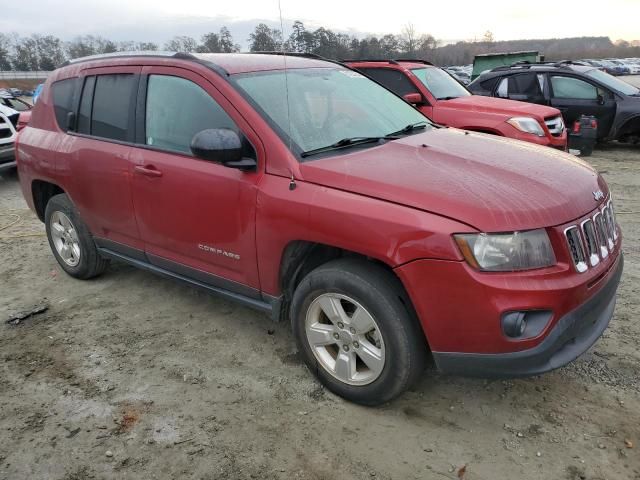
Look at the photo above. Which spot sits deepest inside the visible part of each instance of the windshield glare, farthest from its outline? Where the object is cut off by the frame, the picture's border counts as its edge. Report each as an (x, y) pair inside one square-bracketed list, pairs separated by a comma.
[(440, 83), (327, 105), (612, 82)]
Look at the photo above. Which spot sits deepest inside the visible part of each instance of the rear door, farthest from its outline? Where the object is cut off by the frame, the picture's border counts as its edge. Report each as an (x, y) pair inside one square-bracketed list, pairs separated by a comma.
[(96, 159), (575, 97), (196, 217), (526, 87)]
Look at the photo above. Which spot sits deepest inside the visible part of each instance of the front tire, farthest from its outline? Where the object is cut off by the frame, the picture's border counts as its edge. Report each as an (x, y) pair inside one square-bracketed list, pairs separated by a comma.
[(70, 240), (355, 333)]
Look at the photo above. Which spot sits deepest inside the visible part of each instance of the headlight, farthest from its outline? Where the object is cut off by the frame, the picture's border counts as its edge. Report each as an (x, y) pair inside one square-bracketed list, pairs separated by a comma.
[(527, 125), (503, 252)]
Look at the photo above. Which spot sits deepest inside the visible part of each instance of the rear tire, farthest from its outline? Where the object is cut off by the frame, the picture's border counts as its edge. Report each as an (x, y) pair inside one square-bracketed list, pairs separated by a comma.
[(70, 240), (368, 348)]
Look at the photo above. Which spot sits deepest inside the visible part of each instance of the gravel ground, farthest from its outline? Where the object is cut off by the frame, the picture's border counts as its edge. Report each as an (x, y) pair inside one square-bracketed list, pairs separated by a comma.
[(131, 376)]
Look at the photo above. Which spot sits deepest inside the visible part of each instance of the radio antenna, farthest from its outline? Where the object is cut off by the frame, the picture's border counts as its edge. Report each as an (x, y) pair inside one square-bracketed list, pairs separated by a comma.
[(286, 79)]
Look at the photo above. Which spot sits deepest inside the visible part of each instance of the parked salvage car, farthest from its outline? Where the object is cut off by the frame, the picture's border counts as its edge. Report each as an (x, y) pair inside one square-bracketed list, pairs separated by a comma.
[(8, 99), (8, 129), (446, 102), (378, 235), (575, 90)]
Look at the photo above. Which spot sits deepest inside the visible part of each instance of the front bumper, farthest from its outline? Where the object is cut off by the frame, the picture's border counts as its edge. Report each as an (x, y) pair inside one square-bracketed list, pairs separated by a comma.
[(570, 337)]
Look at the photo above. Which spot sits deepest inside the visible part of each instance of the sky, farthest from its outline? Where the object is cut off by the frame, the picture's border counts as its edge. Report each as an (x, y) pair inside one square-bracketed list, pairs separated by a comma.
[(159, 20)]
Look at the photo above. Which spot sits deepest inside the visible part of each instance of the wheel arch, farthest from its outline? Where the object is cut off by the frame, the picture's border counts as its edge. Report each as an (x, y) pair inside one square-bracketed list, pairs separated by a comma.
[(301, 257), (630, 127), (42, 191)]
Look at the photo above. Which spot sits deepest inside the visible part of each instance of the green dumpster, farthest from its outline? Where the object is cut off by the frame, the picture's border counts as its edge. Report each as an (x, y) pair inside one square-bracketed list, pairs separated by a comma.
[(487, 61)]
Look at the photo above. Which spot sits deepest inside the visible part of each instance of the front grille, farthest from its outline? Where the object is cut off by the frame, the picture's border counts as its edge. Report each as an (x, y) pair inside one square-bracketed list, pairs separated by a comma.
[(594, 239), (555, 125)]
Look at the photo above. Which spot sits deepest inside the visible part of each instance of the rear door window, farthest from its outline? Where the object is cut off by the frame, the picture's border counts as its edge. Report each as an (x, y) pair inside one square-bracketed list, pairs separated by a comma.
[(523, 86), (394, 80), (574, 88), (176, 110), (63, 93), (113, 110)]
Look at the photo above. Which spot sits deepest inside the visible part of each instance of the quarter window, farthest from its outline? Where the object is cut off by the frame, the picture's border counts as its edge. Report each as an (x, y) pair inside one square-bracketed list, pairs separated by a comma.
[(63, 95), (176, 110), (112, 112), (569, 87)]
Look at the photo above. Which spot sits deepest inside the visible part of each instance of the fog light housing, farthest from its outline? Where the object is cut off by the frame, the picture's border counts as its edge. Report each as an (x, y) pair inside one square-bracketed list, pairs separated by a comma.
[(523, 324), (514, 324)]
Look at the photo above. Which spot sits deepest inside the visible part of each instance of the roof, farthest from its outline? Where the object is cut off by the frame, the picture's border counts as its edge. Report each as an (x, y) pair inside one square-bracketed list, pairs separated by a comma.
[(231, 63)]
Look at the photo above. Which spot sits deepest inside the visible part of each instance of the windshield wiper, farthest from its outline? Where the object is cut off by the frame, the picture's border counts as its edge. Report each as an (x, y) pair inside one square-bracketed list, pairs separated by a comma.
[(448, 98), (345, 142), (409, 128)]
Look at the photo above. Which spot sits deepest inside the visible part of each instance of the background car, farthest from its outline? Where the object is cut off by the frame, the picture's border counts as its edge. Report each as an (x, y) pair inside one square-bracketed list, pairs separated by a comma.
[(438, 96), (8, 129), (8, 99), (574, 89)]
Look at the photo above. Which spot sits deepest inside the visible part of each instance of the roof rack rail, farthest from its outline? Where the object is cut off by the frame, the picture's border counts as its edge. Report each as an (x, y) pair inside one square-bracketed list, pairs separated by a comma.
[(392, 61), (381, 60), (140, 53), (414, 60), (562, 63), (527, 64), (291, 54)]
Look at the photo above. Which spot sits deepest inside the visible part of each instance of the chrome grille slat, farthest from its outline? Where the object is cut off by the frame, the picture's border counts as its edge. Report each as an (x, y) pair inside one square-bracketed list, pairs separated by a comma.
[(602, 235), (589, 233), (576, 248)]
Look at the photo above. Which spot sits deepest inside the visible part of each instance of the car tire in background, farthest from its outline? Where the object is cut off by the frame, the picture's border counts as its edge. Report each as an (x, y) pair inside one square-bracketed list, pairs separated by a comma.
[(70, 240), (356, 331)]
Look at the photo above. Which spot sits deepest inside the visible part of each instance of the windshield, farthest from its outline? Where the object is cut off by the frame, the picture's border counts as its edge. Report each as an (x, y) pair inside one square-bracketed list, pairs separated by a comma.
[(613, 83), (440, 83), (327, 105)]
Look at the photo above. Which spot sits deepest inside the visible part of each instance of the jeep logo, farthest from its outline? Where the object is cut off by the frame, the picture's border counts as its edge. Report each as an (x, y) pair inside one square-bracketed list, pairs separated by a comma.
[(598, 195)]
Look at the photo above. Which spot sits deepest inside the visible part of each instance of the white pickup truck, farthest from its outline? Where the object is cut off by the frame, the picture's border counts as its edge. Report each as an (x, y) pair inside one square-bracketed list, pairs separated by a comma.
[(8, 129)]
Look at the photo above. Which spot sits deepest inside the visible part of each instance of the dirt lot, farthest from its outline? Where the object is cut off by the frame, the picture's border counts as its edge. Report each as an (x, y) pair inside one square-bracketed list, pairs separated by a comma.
[(136, 377)]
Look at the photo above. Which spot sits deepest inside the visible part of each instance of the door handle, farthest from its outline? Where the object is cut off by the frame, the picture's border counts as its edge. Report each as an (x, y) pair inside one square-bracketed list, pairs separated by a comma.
[(148, 171)]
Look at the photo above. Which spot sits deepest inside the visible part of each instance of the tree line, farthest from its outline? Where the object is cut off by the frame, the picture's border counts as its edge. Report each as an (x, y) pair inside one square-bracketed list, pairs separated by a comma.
[(46, 52)]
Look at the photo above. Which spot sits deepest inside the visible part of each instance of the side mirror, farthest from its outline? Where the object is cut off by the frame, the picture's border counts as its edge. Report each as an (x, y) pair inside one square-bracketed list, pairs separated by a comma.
[(71, 121), (413, 98), (223, 146), (600, 99)]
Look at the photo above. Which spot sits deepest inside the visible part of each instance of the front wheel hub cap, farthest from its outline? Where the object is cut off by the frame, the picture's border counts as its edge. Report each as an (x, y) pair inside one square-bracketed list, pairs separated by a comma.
[(335, 323)]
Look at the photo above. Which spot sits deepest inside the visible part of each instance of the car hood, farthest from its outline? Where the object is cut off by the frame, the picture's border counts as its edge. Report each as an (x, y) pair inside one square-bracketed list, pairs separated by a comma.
[(491, 183), (7, 111), (502, 106)]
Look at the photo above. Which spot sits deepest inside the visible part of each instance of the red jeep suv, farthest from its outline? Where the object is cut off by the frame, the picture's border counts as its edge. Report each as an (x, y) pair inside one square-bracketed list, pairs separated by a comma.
[(304, 189), (447, 102)]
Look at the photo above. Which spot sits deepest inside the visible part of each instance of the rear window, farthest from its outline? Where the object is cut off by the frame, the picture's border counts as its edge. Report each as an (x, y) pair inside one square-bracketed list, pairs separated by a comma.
[(112, 100), (63, 99)]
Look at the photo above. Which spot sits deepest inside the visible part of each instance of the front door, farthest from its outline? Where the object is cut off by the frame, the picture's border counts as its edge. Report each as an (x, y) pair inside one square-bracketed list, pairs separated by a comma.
[(575, 97), (196, 217)]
